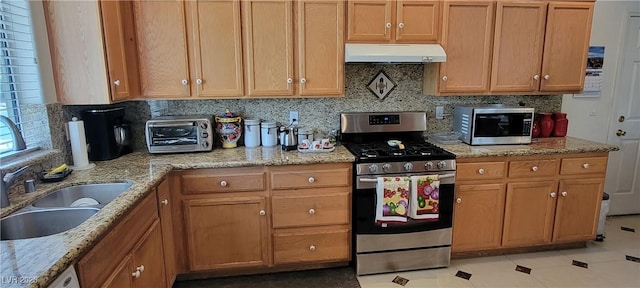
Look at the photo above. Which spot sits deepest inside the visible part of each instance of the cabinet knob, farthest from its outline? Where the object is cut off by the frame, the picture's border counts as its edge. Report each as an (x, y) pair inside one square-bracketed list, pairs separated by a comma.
[(547, 77), (311, 180), (312, 248), (534, 168), (445, 78), (621, 132), (312, 211), (553, 194), (199, 81), (289, 80), (223, 183), (458, 200), (536, 77), (136, 274), (480, 171), (585, 165), (140, 268), (400, 25), (117, 82), (184, 81), (303, 80), (564, 193), (388, 25), (164, 202), (262, 213)]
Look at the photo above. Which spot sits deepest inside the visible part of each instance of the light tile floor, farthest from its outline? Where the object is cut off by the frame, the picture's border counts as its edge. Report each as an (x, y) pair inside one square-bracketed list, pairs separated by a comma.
[(607, 266)]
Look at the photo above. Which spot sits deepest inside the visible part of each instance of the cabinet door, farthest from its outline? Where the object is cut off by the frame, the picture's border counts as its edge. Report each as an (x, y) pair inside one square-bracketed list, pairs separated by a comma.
[(369, 20), (320, 41), (166, 223), (215, 48), (466, 36), (477, 217), (578, 209), (122, 276), (529, 211), (148, 258), (267, 26), (227, 232), (162, 48), (566, 45), (417, 21), (117, 21), (517, 47)]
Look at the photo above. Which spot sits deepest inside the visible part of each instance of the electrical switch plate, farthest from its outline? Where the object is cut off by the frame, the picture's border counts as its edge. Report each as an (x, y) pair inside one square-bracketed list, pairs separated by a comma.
[(439, 112), (294, 117)]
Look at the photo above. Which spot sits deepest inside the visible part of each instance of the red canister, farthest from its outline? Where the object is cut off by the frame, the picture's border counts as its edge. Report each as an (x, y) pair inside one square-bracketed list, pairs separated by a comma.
[(561, 123), (546, 125)]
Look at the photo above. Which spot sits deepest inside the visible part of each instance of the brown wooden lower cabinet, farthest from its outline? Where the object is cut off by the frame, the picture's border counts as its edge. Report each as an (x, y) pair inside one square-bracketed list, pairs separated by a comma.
[(311, 246), (548, 199)]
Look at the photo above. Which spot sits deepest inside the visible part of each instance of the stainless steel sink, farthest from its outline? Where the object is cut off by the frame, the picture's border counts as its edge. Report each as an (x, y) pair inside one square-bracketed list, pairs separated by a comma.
[(83, 195), (40, 223)]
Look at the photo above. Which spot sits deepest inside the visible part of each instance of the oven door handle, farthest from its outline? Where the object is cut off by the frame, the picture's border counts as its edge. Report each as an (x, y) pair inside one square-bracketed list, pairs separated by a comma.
[(440, 176)]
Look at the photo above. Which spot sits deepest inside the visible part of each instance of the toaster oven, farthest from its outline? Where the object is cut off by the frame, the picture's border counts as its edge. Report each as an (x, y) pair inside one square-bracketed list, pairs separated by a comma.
[(176, 134)]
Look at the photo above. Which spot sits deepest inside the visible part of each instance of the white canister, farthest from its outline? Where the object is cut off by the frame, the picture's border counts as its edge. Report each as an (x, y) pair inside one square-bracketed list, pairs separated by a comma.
[(305, 133), (269, 134), (251, 133)]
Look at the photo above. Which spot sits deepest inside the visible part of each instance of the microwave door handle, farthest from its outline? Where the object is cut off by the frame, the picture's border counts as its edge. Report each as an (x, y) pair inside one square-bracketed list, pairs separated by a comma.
[(171, 124)]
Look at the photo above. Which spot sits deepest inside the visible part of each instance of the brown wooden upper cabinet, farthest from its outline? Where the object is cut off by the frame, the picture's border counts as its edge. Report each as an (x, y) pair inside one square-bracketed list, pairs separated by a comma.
[(540, 46), (91, 45), (386, 21), (529, 47), (272, 40)]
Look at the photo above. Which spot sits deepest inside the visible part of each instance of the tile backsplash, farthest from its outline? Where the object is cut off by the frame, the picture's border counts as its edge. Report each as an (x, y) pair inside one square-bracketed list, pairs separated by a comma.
[(322, 113)]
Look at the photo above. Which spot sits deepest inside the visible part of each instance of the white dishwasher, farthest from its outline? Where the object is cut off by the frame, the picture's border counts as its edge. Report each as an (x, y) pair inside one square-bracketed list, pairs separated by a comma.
[(68, 279)]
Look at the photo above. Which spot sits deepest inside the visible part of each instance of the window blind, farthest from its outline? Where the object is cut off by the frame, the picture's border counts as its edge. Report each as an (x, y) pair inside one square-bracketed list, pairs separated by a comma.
[(19, 77)]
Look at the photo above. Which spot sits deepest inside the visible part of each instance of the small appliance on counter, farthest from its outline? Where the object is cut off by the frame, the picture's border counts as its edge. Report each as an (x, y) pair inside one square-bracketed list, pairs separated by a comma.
[(175, 134), (108, 135), (289, 138), (493, 124)]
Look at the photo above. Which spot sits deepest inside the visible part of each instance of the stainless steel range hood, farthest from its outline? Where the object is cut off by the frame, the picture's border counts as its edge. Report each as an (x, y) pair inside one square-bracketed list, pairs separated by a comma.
[(394, 53)]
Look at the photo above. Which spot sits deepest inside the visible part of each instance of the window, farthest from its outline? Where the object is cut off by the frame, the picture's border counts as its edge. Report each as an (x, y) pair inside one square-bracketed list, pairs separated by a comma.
[(19, 76)]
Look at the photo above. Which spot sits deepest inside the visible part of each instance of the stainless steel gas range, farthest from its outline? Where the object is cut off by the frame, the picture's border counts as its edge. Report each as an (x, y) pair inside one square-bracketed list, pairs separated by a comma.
[(391, 144)]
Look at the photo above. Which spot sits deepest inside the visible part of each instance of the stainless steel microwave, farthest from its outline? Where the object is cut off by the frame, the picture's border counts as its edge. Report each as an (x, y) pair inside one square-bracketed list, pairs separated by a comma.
[(174, 134), (493, 124)]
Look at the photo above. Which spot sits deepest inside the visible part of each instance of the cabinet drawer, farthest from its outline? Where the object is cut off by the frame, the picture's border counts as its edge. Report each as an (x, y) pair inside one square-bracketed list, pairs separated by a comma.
[(296, 209), (573, 166), (311, 178), (480, 170), (203, 183), (533, 168), (312, 246)]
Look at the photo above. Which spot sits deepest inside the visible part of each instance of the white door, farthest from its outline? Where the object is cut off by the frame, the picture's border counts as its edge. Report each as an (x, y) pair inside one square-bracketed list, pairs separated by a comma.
[(623, 180)]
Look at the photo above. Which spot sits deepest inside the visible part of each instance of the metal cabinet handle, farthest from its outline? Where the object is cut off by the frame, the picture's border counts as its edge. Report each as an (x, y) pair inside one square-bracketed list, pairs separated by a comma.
[(262, 213), (312, 211), (536, 77), (401, 25), (564, 193), (480, 171), (458, 200), (312, 248), (165, 201), (136, 274), (223, 183), (199, 81), (547, 77), (184, 81), (534, 168), (553, 194), (117, 82), (311, 180), (585, 165), (621, 132)]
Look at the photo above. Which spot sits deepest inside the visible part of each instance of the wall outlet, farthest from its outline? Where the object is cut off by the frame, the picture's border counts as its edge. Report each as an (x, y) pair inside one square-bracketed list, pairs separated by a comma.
[(439, 112), (294, 118)]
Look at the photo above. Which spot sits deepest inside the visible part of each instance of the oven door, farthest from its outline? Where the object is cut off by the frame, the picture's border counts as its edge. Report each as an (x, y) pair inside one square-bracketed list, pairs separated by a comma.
[(364, 208)]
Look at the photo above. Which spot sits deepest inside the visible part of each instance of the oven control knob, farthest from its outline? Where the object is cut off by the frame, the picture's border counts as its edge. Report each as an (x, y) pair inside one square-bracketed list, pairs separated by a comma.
[(373, 168), (386, 167), (441, 165), (428, 165), (205, 144), (203, 125), (205, 134), (408, 166)]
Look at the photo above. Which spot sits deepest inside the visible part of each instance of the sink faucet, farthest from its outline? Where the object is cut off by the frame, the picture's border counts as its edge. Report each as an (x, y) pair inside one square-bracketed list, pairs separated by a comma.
[(8, 180), (16, 136)]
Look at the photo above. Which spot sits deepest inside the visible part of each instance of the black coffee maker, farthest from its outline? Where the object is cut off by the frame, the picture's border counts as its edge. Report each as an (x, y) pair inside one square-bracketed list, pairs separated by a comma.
[(108, 135)]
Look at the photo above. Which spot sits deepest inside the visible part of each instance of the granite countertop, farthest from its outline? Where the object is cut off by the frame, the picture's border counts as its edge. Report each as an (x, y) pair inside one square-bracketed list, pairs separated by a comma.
[(36, 262), (541, 146)]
